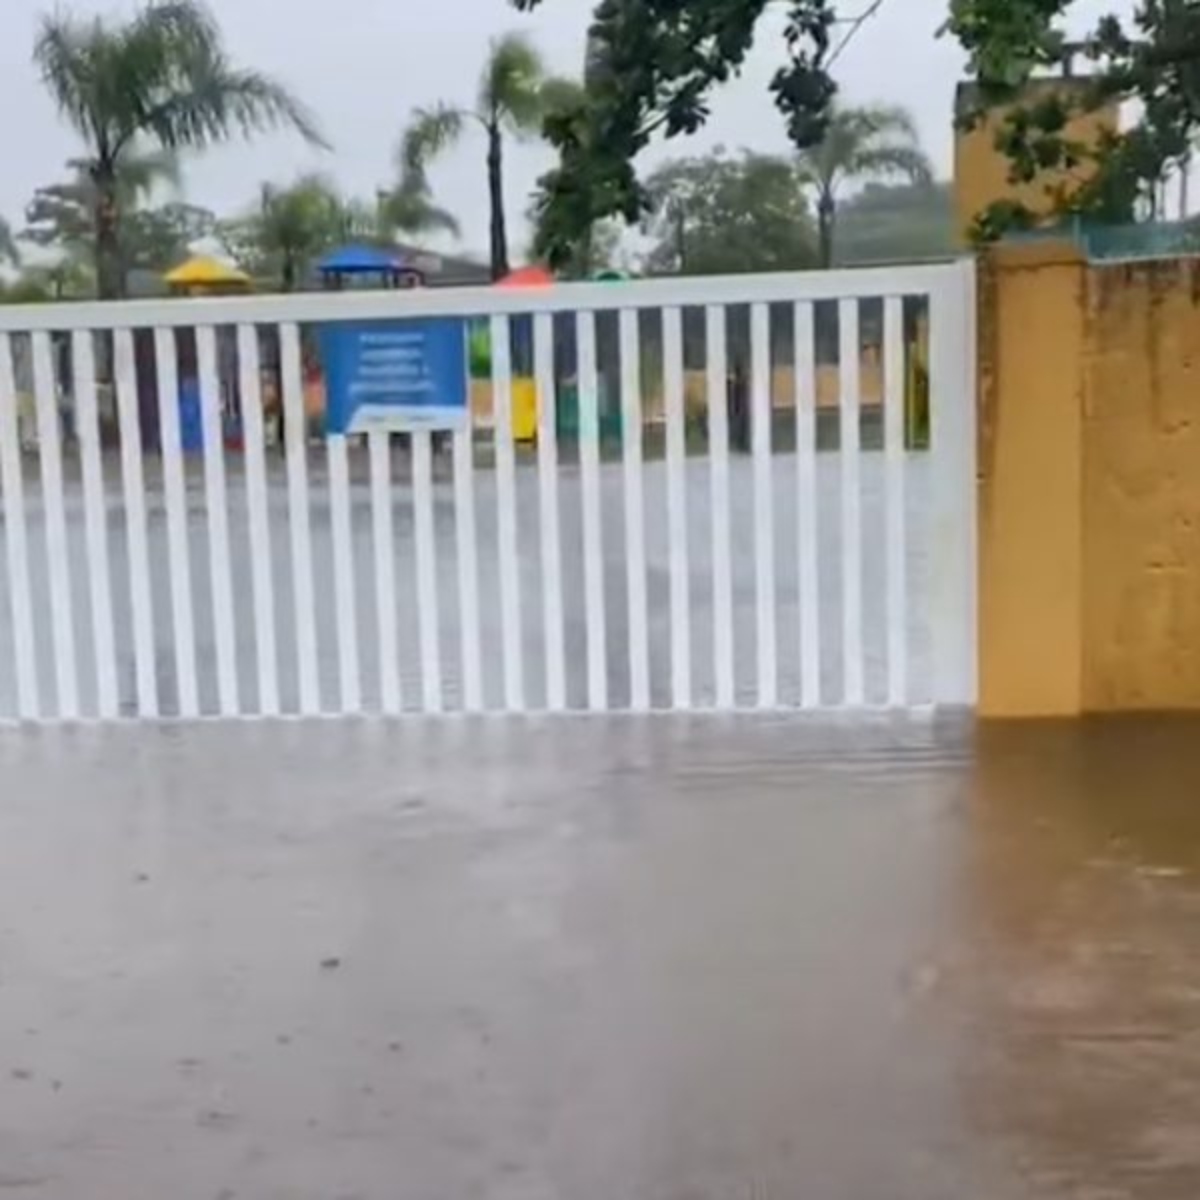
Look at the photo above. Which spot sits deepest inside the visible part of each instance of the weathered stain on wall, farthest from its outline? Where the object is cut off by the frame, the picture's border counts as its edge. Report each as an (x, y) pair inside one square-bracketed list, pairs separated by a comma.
[(1141, 456)]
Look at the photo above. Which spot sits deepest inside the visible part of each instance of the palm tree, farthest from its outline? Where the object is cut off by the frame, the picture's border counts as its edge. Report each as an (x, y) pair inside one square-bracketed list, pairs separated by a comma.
[(512, 99), (165, 77), (8, 244), (861, 143), (63, 215), (289, 228), (293, 225), (64, 279), (409, 208)]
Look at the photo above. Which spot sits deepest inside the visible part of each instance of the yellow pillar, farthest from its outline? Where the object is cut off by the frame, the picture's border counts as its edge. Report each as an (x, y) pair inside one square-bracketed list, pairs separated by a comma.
[(981, 169), (1032, 367)]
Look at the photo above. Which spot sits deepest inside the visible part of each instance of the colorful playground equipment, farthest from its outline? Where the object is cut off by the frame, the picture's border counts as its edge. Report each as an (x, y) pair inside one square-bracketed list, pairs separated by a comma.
[(203, 275), (525, 400), (524, 389)]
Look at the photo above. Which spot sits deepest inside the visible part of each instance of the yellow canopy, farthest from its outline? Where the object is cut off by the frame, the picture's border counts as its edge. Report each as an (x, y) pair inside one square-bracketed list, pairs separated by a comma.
[(203, 271)]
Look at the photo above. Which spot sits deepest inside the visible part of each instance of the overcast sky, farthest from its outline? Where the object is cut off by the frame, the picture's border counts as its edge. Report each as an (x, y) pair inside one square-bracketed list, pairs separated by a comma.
[(362, 65)]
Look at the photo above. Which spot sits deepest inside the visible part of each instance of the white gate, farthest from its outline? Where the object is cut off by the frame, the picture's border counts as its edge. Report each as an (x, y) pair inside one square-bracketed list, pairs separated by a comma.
[(767, 501)]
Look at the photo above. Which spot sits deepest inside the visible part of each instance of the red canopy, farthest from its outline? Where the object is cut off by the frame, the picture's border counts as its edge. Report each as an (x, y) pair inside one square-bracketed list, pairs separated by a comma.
[(527, 277)]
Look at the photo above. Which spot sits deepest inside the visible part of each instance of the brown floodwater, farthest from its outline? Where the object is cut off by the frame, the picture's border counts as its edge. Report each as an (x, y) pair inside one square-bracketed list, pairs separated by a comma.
[(705, 959)]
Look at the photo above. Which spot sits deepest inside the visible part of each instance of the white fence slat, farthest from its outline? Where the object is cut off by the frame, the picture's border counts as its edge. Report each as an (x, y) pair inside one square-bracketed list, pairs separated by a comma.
[(467, 552), (295, 426), (178, 545), (346, 613), (427, 580), (257, 505), (764, 506), (510, 576), (809, 565), (379, 449), (58, 557), (952, 397), (718, 455), (95, 517), (215, 501), (896, 558), (849, 374), (635, 520), (16, 539), (134, 490), (593, 548), (552, 596), (677, 524)]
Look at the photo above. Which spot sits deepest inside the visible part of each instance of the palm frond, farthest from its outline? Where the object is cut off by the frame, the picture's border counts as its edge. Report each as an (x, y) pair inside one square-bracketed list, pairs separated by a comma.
[(860, 142), (561, 94), (67, 53), (221, 101), (910, 162), (430, 133), (164, 73), (8, 244), (511, 87), (410, 209), (886, 120)]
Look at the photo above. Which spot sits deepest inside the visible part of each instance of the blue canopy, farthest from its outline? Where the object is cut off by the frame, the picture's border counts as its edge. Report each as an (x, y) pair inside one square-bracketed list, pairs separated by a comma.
[(360, 260)]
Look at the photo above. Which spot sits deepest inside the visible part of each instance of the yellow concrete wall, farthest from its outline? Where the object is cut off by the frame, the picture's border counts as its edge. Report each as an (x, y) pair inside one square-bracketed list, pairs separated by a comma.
[(1031, 356), (1089, 484), (1141, 477), (981, 171)]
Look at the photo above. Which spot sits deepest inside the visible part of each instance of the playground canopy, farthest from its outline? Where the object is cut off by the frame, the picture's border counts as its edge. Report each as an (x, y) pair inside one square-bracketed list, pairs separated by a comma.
[(360, 260), (360, 265), (527, 277), (204, 271)]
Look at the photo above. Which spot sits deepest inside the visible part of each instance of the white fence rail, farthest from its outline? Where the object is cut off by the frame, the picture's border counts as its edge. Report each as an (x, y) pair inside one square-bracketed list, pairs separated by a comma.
[(654, 557)]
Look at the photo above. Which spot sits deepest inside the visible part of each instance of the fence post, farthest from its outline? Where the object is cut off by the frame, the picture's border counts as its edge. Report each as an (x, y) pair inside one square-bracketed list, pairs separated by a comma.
[(952, 391)]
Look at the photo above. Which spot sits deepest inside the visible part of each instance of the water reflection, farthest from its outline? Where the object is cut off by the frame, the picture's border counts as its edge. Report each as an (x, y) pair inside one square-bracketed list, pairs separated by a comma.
[(1080, 927), (675, 960)]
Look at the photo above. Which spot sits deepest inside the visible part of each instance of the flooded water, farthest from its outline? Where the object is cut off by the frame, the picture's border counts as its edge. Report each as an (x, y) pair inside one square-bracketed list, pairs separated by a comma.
[(586, 959), (532, 639)]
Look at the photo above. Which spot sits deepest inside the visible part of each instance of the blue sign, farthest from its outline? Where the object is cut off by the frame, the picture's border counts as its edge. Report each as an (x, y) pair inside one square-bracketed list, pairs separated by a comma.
[(395, 375)]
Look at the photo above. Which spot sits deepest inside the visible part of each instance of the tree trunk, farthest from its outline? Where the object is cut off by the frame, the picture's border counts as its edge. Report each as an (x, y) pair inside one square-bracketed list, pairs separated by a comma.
[(826, 216), (495, 169), (110, 271)]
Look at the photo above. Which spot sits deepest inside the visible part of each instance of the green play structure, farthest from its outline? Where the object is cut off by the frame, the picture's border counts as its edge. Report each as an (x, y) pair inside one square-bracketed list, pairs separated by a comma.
[(479, 353)]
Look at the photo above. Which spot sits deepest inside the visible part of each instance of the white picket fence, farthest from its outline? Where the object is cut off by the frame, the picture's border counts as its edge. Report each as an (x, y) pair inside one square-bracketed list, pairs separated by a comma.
[(335, 577)]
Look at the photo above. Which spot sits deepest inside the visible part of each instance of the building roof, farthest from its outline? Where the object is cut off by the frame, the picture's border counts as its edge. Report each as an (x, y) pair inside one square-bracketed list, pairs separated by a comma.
[(444, 270)]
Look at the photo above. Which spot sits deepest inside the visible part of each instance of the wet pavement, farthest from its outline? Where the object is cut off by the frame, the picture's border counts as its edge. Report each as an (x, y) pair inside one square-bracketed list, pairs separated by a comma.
[(665, 959)]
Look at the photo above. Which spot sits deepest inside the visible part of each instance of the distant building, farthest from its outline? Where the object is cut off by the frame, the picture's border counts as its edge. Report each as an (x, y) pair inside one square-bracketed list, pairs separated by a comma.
[(445, 270)]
